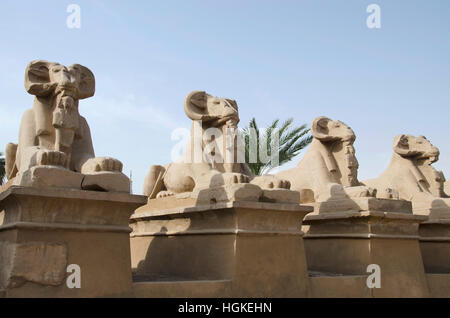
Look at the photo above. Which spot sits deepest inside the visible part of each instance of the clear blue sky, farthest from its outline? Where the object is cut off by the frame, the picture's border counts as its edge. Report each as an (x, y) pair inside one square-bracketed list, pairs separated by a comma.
[(278, 59)]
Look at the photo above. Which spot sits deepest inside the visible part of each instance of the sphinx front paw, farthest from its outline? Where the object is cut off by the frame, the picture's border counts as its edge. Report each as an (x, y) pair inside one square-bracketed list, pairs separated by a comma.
[(360, 191), (388, 193), (101, 164), (231, 178), (51, 158), (164, 194), (223, 179), (271, 182)]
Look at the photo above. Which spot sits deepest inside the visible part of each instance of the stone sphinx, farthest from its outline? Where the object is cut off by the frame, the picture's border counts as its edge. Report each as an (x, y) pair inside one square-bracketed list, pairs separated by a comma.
[(329, 168), (208, 209), (192, 173), (55, 146), (412, 175)]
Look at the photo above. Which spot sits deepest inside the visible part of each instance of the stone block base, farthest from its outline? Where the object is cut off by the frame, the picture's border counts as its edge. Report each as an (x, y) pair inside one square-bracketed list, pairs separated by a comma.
[(345, 243), (348, 286), (56, 177), (439, 285), (183, 289), (435, 245), (256, 246), (42, 232)]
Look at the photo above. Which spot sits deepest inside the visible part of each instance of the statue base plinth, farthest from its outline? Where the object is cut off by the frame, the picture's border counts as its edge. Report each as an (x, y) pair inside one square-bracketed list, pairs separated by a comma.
[(57, 177), (435, 245), (234, 249), (369, 231), (434, 233), (44, 231), (361, 204)]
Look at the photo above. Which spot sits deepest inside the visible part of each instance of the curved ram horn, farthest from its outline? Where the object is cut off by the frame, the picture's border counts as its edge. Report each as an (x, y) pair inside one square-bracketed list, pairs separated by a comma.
[(195, 105)]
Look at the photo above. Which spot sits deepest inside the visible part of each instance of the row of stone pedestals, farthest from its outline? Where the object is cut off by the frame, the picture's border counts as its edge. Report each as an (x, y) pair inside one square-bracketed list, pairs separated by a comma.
[(178, 248)]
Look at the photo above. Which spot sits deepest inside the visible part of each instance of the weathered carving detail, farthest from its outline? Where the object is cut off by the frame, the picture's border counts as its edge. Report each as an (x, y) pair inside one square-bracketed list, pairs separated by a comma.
[(55, 146), (42, 263), (329, 169)]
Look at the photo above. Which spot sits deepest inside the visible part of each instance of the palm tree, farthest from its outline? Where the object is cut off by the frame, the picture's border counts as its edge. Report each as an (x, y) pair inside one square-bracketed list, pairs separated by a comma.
[(2, 168), (290, 140)]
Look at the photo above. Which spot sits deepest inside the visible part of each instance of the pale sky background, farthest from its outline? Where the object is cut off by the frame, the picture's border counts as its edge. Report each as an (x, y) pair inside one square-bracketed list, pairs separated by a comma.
[(278, 59)]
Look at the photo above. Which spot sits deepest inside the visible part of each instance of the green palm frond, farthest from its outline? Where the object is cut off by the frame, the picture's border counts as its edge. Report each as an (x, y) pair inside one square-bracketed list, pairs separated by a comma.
[(291, 140), (2, 168)]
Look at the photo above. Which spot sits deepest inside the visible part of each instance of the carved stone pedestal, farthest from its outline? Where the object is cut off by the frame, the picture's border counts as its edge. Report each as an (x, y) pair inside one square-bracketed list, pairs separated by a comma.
[(435, 245), (345, 237), (227, 249), (43, 232), (435, 234)]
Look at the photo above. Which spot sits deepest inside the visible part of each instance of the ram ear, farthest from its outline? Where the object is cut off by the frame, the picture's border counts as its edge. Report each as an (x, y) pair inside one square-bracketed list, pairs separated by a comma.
[(402, 146), (195, 105), (232, 103), (37, 78), (86, 84), (319, 128)]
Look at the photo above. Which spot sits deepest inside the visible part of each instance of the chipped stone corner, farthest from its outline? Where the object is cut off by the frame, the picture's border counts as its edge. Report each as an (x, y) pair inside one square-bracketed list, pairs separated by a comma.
[(41, 263)]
